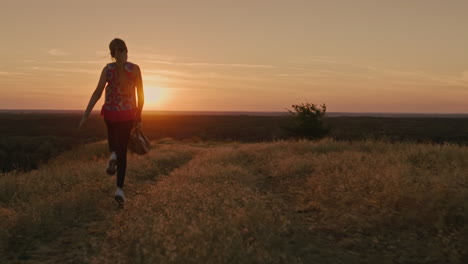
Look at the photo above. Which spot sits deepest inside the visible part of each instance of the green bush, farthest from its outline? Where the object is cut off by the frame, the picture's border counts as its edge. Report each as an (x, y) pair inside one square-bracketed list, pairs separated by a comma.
[(309, 120)]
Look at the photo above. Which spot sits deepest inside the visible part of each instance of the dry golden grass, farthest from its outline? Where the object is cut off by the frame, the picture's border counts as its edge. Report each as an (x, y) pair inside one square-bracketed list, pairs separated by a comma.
[(41, 211), (278, 202)]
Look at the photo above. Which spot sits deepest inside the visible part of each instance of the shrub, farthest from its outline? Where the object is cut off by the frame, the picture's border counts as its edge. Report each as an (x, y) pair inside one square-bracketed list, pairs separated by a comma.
[(309, 120)]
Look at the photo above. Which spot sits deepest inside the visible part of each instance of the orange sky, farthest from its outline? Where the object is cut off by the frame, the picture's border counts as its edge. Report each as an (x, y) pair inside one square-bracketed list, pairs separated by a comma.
[(255, 55)]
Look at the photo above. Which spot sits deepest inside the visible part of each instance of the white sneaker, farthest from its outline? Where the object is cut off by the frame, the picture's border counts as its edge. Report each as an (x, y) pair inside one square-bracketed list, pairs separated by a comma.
[(119, 197), (112, 165)]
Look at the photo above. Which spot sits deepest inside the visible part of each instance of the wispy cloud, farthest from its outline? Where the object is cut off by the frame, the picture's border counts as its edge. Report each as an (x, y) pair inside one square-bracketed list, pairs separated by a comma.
[(422, 78), (102, 53), (151, 56), (80, 62), (308, 67), (159, 62), (73, 70), (57, 52), (28, 61), (324, 74), (331, 61), (4, 73), (464, 77), (203, 76), (209, 64), (228, 65)]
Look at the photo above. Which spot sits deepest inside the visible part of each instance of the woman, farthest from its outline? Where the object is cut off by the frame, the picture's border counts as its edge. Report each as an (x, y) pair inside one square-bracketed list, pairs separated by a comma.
[(120, 111)]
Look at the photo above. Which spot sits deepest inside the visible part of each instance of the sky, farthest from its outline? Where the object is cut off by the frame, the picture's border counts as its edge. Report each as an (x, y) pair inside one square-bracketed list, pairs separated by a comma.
[(398, 56)]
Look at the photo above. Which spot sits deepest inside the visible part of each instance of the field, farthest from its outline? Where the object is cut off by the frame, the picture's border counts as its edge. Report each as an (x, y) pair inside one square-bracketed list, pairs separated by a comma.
[(283, 201), (30, 139)]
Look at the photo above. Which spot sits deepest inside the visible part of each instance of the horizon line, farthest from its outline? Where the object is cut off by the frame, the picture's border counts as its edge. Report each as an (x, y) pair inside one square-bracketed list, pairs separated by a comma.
[(240, 111)]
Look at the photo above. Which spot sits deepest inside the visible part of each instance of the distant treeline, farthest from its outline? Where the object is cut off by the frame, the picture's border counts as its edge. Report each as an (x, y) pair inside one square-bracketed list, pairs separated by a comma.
[(32, 138)]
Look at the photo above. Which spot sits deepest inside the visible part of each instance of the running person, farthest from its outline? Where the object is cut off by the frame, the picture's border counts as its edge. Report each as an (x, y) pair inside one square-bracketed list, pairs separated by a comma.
[(120, 110)]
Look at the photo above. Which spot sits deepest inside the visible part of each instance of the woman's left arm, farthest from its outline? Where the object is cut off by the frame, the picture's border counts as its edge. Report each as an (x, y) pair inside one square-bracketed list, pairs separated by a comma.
[(96, 96)]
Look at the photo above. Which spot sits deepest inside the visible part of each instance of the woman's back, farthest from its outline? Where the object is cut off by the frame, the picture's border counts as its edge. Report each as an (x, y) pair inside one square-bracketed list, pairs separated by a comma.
[(120, 99)]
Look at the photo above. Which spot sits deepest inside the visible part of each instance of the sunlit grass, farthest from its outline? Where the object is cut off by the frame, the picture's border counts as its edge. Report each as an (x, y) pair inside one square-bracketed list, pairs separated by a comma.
[(277, 202)]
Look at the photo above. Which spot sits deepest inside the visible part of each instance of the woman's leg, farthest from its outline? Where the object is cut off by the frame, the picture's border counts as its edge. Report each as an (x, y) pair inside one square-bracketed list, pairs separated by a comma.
[(111, 136), (123, 135)]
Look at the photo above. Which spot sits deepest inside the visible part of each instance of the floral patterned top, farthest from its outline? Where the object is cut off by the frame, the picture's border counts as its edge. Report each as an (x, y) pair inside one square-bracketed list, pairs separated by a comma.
[(120, 100)]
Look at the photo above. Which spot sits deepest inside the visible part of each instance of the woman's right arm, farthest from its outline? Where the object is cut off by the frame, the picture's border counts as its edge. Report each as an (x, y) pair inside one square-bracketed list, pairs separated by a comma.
[(141, 96), (96, 96)]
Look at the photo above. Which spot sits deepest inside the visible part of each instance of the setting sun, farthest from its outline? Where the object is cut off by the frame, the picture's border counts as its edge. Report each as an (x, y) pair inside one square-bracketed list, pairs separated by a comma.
[(155, 97)]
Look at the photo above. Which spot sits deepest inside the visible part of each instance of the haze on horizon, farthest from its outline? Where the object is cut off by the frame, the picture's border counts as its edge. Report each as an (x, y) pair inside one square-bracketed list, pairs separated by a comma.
[(257, 55)]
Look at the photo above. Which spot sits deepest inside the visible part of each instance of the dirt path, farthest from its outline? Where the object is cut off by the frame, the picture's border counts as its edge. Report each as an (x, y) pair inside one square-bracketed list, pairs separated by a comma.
[(77, 243)]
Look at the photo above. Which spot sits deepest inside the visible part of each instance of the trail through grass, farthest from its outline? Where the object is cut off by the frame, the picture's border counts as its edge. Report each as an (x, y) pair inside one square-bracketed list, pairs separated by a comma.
[(58, 214), (277, 202)]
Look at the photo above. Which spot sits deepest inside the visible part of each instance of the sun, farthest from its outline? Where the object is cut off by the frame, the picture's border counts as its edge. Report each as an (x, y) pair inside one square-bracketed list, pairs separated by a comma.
[(155, 97)]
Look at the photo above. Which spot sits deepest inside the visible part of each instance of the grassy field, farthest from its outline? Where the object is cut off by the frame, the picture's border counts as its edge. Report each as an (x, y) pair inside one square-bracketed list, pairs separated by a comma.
[(30, 139), (272, 202)]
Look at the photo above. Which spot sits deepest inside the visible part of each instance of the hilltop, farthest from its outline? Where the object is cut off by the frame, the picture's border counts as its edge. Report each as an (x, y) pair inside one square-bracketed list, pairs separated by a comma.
[(285, 201), (32, 138)]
